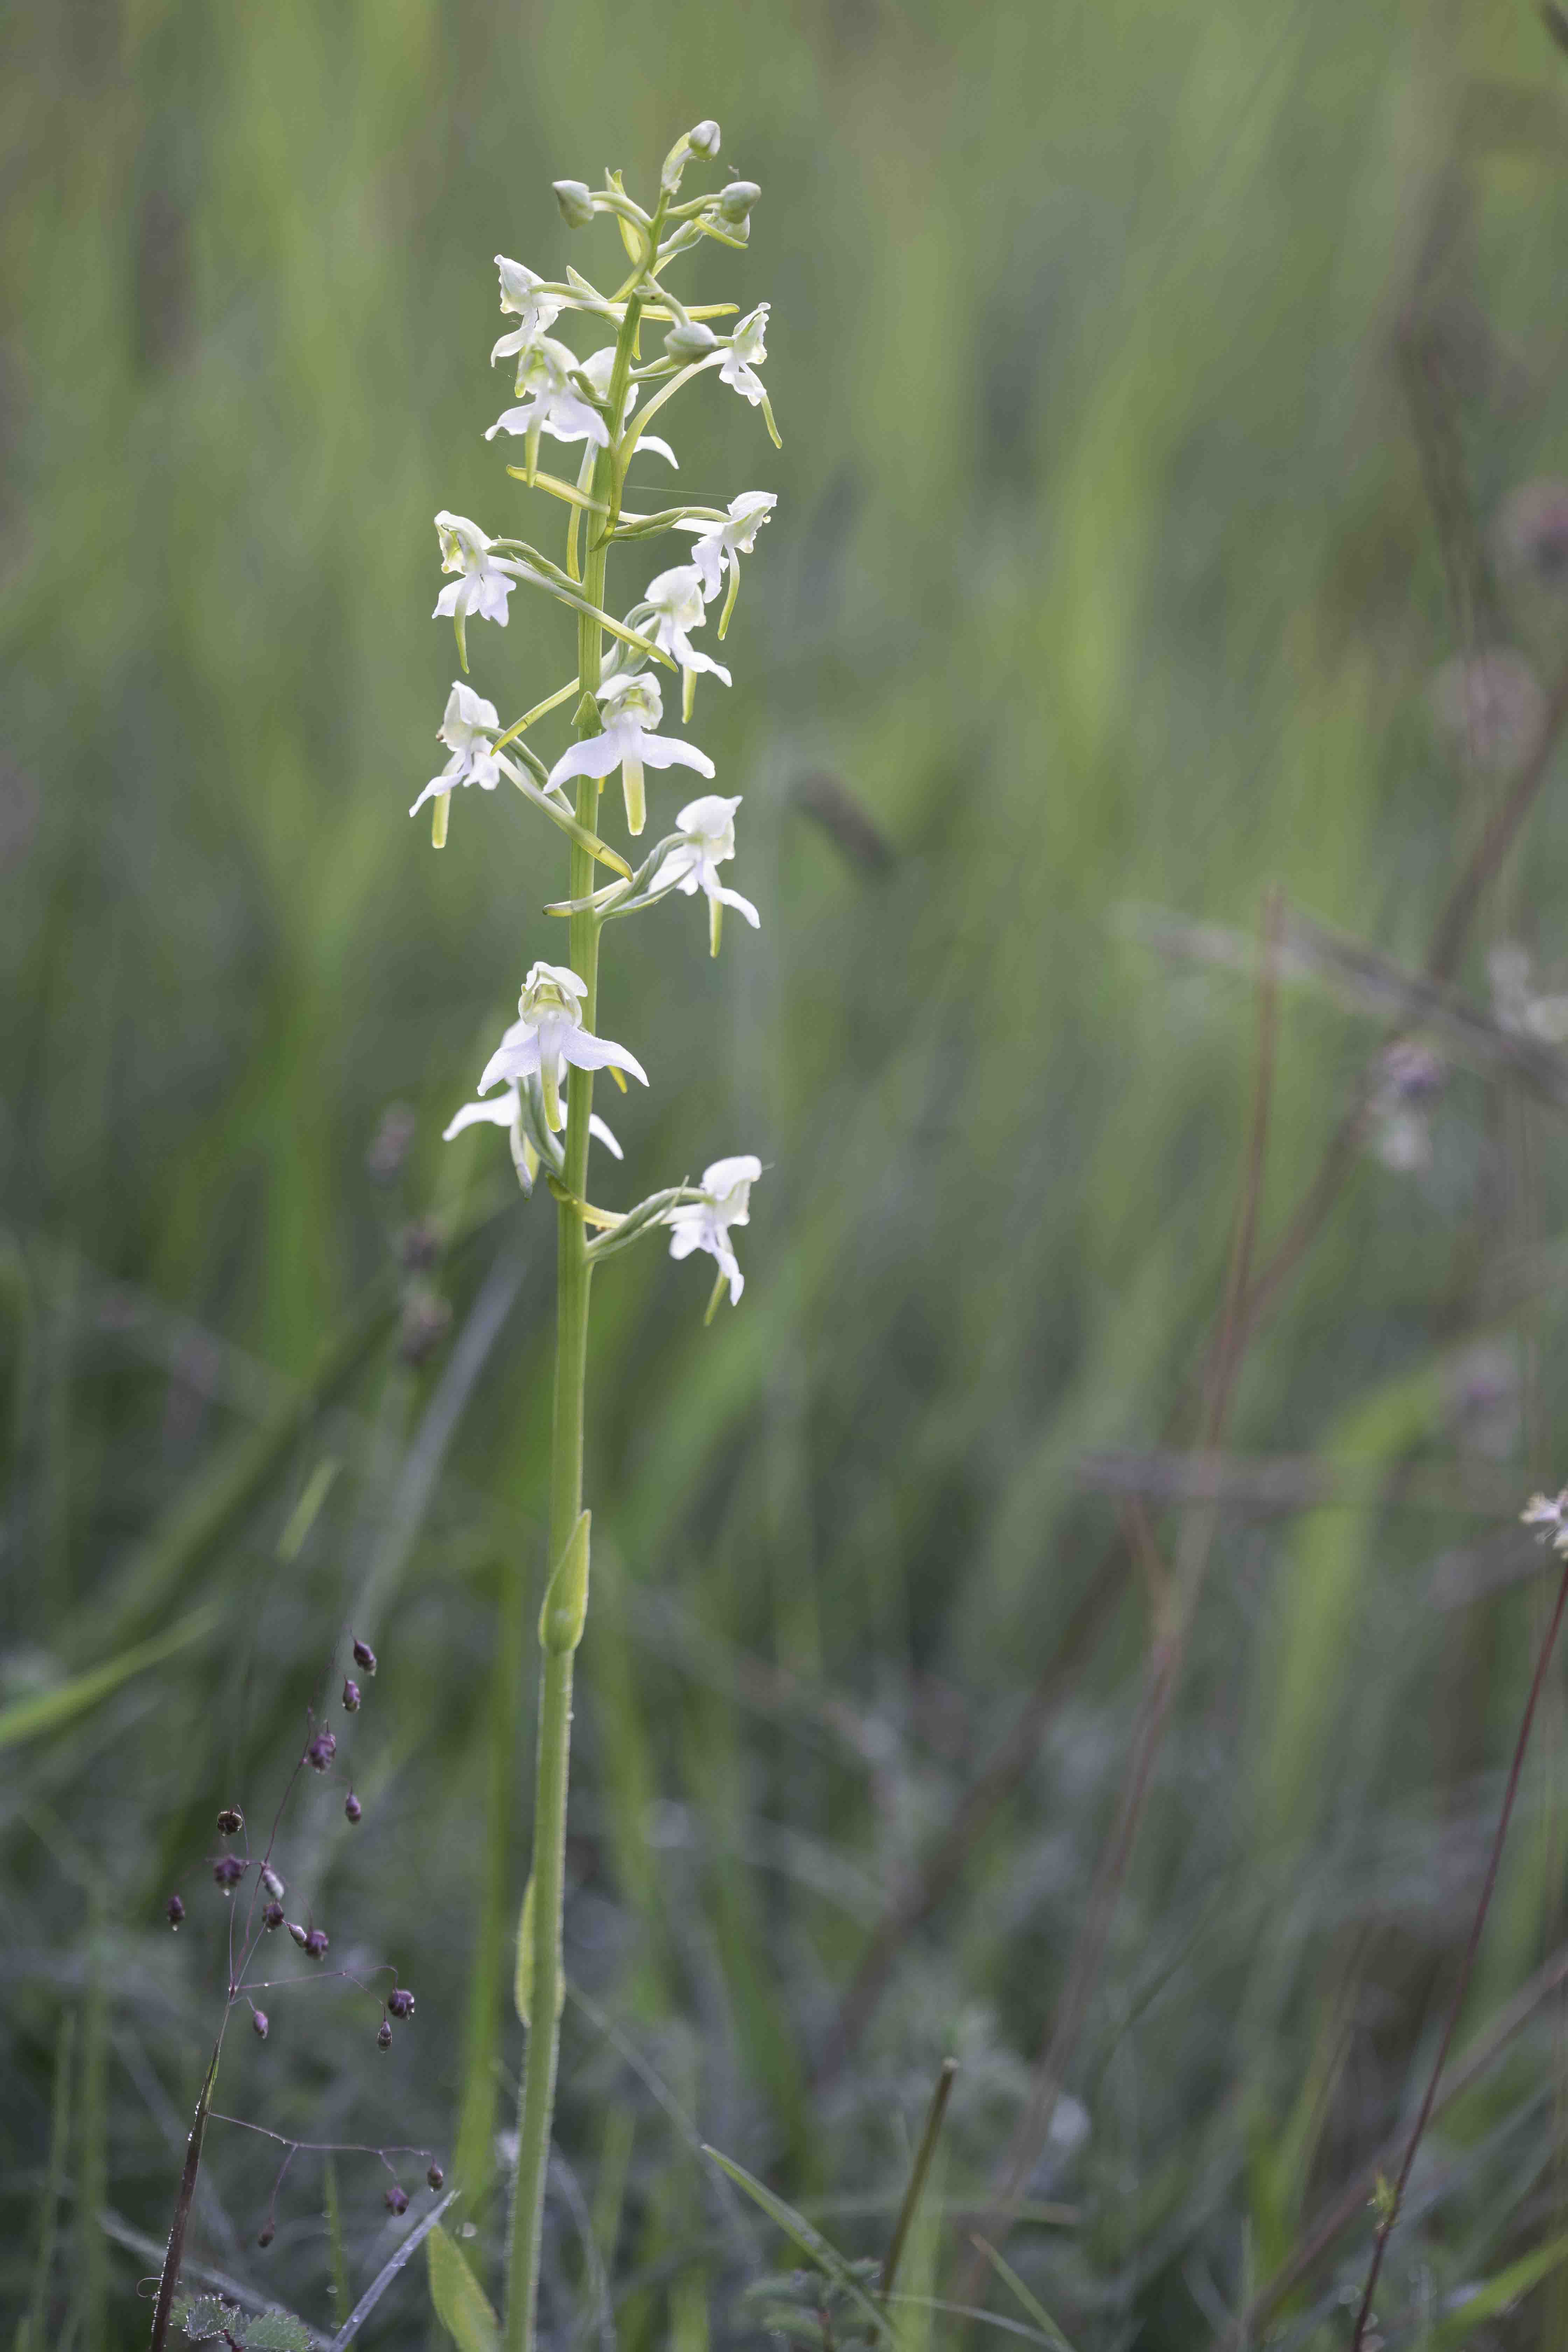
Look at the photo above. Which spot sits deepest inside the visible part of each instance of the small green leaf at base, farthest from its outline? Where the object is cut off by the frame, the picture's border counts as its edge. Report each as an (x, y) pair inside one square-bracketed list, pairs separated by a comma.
[(462, 2303)]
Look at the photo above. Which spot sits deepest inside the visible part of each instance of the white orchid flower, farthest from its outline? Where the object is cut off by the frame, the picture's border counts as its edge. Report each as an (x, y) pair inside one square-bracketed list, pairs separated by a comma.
[(708, 836), (719, 546), (674, 601), (553, 404), (748, 350), (632, 708), (548, 1034), (485, 581), (704, 1225), (538, 312), (506, 1111), (599, 367), (467, 731)]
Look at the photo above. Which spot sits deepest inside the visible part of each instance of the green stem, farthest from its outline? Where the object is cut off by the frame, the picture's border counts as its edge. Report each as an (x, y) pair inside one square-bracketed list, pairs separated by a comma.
[(573, 1280)]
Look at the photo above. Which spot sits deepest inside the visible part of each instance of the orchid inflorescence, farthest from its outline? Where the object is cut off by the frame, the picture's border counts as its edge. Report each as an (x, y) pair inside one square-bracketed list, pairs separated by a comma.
[(619, 712), (538, 1084)]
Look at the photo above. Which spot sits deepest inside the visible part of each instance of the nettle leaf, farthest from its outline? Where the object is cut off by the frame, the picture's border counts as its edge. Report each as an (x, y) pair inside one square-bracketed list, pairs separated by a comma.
[(276, 2331), (205, 2317), (462, 2303)]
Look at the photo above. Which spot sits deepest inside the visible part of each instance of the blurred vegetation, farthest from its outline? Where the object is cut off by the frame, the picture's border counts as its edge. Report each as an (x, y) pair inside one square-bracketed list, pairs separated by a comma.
[(1152, 379)]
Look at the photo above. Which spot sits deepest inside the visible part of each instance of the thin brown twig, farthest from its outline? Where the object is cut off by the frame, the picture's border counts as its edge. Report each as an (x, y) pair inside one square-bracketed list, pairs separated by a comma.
[(1350, 2203), (1391, 2212), (1162, 1673)]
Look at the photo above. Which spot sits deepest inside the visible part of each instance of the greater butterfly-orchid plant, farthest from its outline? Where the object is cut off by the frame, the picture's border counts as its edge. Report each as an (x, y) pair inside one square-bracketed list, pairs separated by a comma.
[(544, 1063)]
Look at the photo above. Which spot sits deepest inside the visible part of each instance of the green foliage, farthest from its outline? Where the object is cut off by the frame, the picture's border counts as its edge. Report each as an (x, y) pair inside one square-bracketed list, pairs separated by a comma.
[(209, 2319), (462, 2303)]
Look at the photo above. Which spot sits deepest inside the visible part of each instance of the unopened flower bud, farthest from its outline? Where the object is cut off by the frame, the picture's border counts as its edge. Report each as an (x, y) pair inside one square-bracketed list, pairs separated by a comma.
[(350, 1695), (364, 1657), (575, 199), (267, 2233), (273, 1883), (703, 138), (231, 1820), (735, 202), (322, 1749), (298, 1933), (400, 2003), (272, 1916), (174, 1910), (352, 1807), (258, 2023), (690, 341), (315, 1943), (396, 2199), (436, 2177), (383, 2035), (229, 1869)]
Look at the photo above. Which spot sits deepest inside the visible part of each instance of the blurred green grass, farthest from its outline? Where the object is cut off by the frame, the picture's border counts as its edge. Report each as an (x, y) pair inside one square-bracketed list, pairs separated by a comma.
[(1104, 572)]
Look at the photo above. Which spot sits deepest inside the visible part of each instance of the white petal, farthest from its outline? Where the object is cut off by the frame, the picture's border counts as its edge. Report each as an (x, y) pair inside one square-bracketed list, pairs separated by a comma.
[(664, 752), (591, 1053), (597, 1127), (499, 1113)]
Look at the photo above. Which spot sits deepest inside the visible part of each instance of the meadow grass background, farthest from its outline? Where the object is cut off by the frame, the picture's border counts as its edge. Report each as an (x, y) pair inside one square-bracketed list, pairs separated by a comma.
[(1151, 378)]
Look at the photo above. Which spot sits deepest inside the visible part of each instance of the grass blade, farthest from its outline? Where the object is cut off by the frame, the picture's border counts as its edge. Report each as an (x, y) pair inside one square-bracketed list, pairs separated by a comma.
[(811, 2241), (387, 2275)]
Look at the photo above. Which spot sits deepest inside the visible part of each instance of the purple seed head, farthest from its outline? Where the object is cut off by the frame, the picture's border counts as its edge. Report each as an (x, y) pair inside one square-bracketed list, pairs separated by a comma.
[(322, 1749), (350, 1695), (364, 1657), (258, 2023), (400, 2003), (231, 1820), (267, 2233), (420, 1246), (396, 2199), (383, 2035), (391, 1143), (272, 1916), (229, 1869), (426, 1318), (315, 1943), (273, 1883), (174, 1910), (298, 1933), (436, 2177), (352, 1806)]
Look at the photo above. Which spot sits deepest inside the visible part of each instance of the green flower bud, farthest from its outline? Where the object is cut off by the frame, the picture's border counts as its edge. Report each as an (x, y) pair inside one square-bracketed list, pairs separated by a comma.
[(735, 202), (575, 199), (690, 341), (703, 138)]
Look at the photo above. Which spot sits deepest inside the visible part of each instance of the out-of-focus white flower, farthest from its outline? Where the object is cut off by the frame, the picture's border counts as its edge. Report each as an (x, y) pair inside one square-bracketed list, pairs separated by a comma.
[(599, 367), (551, 401), (748, 350), (484, 581), (466, 730), (704, 1225), (537, 313), (707, 827), (674, 601), (1549, 1512), (548, 1034), (719, 546), (632, 708)]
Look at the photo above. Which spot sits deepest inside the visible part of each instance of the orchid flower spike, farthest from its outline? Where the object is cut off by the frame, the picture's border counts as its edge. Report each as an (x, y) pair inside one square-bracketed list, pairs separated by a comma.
[(467, 731), (506, 1110), (720, 546), (599, 367), (708, 836), (674, 600), (548, 1034), (551, 401), (632, 706), (704, 1223), (484, 583), (538, 312)]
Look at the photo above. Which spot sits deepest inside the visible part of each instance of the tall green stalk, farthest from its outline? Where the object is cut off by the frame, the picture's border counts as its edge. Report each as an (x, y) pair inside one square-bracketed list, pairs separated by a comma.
[(617, 716), (573, 1285)]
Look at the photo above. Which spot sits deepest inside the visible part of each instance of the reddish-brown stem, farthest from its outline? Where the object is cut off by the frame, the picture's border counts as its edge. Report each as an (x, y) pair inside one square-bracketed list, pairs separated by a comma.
[(1391, 2214)]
